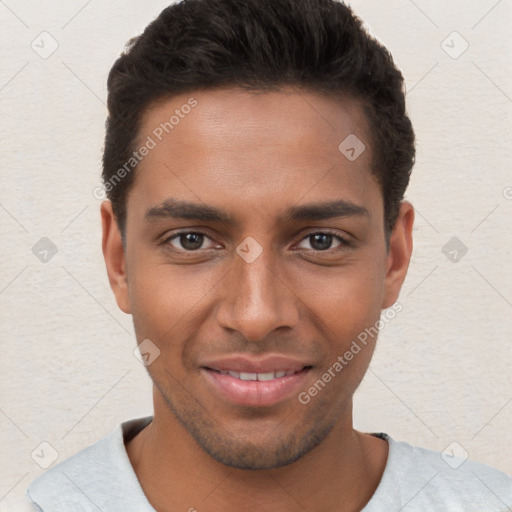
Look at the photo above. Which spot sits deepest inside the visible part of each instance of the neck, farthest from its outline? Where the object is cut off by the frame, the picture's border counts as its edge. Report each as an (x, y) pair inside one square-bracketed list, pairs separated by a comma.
[(342, 472)]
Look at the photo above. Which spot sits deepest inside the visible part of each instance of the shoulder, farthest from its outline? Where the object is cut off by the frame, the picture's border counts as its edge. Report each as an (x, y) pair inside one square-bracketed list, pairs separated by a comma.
[(421, 479), (99, 476)]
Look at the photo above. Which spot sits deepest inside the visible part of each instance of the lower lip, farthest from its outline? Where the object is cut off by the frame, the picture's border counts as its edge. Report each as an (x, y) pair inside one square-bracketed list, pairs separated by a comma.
[(254, 393)]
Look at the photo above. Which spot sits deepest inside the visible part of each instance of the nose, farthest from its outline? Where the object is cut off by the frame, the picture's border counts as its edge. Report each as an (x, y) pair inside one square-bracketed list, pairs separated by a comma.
[(257, 299)]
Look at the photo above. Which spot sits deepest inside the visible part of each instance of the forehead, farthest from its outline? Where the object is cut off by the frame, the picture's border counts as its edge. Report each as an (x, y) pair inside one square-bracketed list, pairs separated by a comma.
[(242, 149)]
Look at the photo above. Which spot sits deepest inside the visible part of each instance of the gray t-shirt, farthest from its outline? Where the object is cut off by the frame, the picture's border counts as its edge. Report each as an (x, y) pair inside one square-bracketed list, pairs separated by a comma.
[(100, 477)]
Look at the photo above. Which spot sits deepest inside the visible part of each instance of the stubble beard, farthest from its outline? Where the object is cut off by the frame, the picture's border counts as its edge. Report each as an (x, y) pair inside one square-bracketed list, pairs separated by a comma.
[(277, 449)]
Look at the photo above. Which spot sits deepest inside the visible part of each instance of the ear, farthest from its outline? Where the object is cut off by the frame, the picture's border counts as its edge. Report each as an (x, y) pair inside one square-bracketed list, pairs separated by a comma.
[(399, 254), (115, 260)]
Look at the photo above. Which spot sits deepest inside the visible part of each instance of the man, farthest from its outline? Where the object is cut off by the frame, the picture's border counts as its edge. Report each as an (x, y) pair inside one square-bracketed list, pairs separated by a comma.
[(255, 162)]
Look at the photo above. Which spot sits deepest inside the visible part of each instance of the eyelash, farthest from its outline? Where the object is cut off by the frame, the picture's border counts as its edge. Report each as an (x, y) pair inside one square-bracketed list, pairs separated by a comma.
[(343, 241)]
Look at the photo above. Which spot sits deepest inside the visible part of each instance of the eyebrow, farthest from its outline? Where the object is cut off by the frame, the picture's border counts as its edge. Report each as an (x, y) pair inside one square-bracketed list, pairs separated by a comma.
[(177, 209)]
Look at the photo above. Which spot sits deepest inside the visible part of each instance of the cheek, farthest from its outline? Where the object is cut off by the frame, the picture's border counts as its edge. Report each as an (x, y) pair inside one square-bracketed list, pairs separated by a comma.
[(346, 303), (164, 299), (348, 309)]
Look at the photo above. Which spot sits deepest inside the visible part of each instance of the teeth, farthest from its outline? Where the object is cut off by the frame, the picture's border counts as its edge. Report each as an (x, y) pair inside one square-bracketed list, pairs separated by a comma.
[(257, 376), (248, 376), (266, 376)]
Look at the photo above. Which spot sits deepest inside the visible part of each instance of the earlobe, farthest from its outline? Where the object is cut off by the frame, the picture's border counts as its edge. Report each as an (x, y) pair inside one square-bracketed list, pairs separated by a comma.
[(115, 259), (399, 254)]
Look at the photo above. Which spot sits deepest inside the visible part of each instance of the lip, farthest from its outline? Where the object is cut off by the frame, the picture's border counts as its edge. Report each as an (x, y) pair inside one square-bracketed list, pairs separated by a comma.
[(265, 364), (255, 393)]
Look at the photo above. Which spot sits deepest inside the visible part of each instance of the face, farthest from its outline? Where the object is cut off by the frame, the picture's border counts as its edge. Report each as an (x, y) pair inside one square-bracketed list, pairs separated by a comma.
[(255, 255)]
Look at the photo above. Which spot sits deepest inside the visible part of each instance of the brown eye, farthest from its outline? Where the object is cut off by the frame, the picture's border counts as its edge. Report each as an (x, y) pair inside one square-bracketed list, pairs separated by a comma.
[(191, 241), (188, 241), (322, 241)]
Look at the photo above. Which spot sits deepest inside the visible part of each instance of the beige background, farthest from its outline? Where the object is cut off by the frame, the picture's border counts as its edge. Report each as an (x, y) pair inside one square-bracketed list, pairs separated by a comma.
[(441, 372)]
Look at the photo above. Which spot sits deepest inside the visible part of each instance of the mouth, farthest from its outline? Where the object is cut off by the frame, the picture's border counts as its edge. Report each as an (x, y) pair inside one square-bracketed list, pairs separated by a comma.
[(260, 377), (252, 383)]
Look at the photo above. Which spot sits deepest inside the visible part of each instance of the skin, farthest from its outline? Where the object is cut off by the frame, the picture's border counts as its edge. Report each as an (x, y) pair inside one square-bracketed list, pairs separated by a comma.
[(254, 156)]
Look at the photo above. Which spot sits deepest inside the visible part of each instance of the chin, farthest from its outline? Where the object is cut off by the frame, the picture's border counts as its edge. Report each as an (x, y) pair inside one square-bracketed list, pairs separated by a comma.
[(252, 445), (251, 451)]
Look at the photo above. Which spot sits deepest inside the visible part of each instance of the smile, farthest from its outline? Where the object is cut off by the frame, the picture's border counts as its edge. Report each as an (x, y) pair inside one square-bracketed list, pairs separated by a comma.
[(247, 376), (255, 389)]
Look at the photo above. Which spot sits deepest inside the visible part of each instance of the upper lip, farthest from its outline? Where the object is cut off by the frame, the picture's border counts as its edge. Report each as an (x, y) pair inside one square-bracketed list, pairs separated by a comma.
[(265, 364)]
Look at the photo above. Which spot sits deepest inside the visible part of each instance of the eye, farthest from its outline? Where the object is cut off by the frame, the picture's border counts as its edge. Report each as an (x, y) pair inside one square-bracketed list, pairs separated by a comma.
[(188, 241), (322, 241)]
